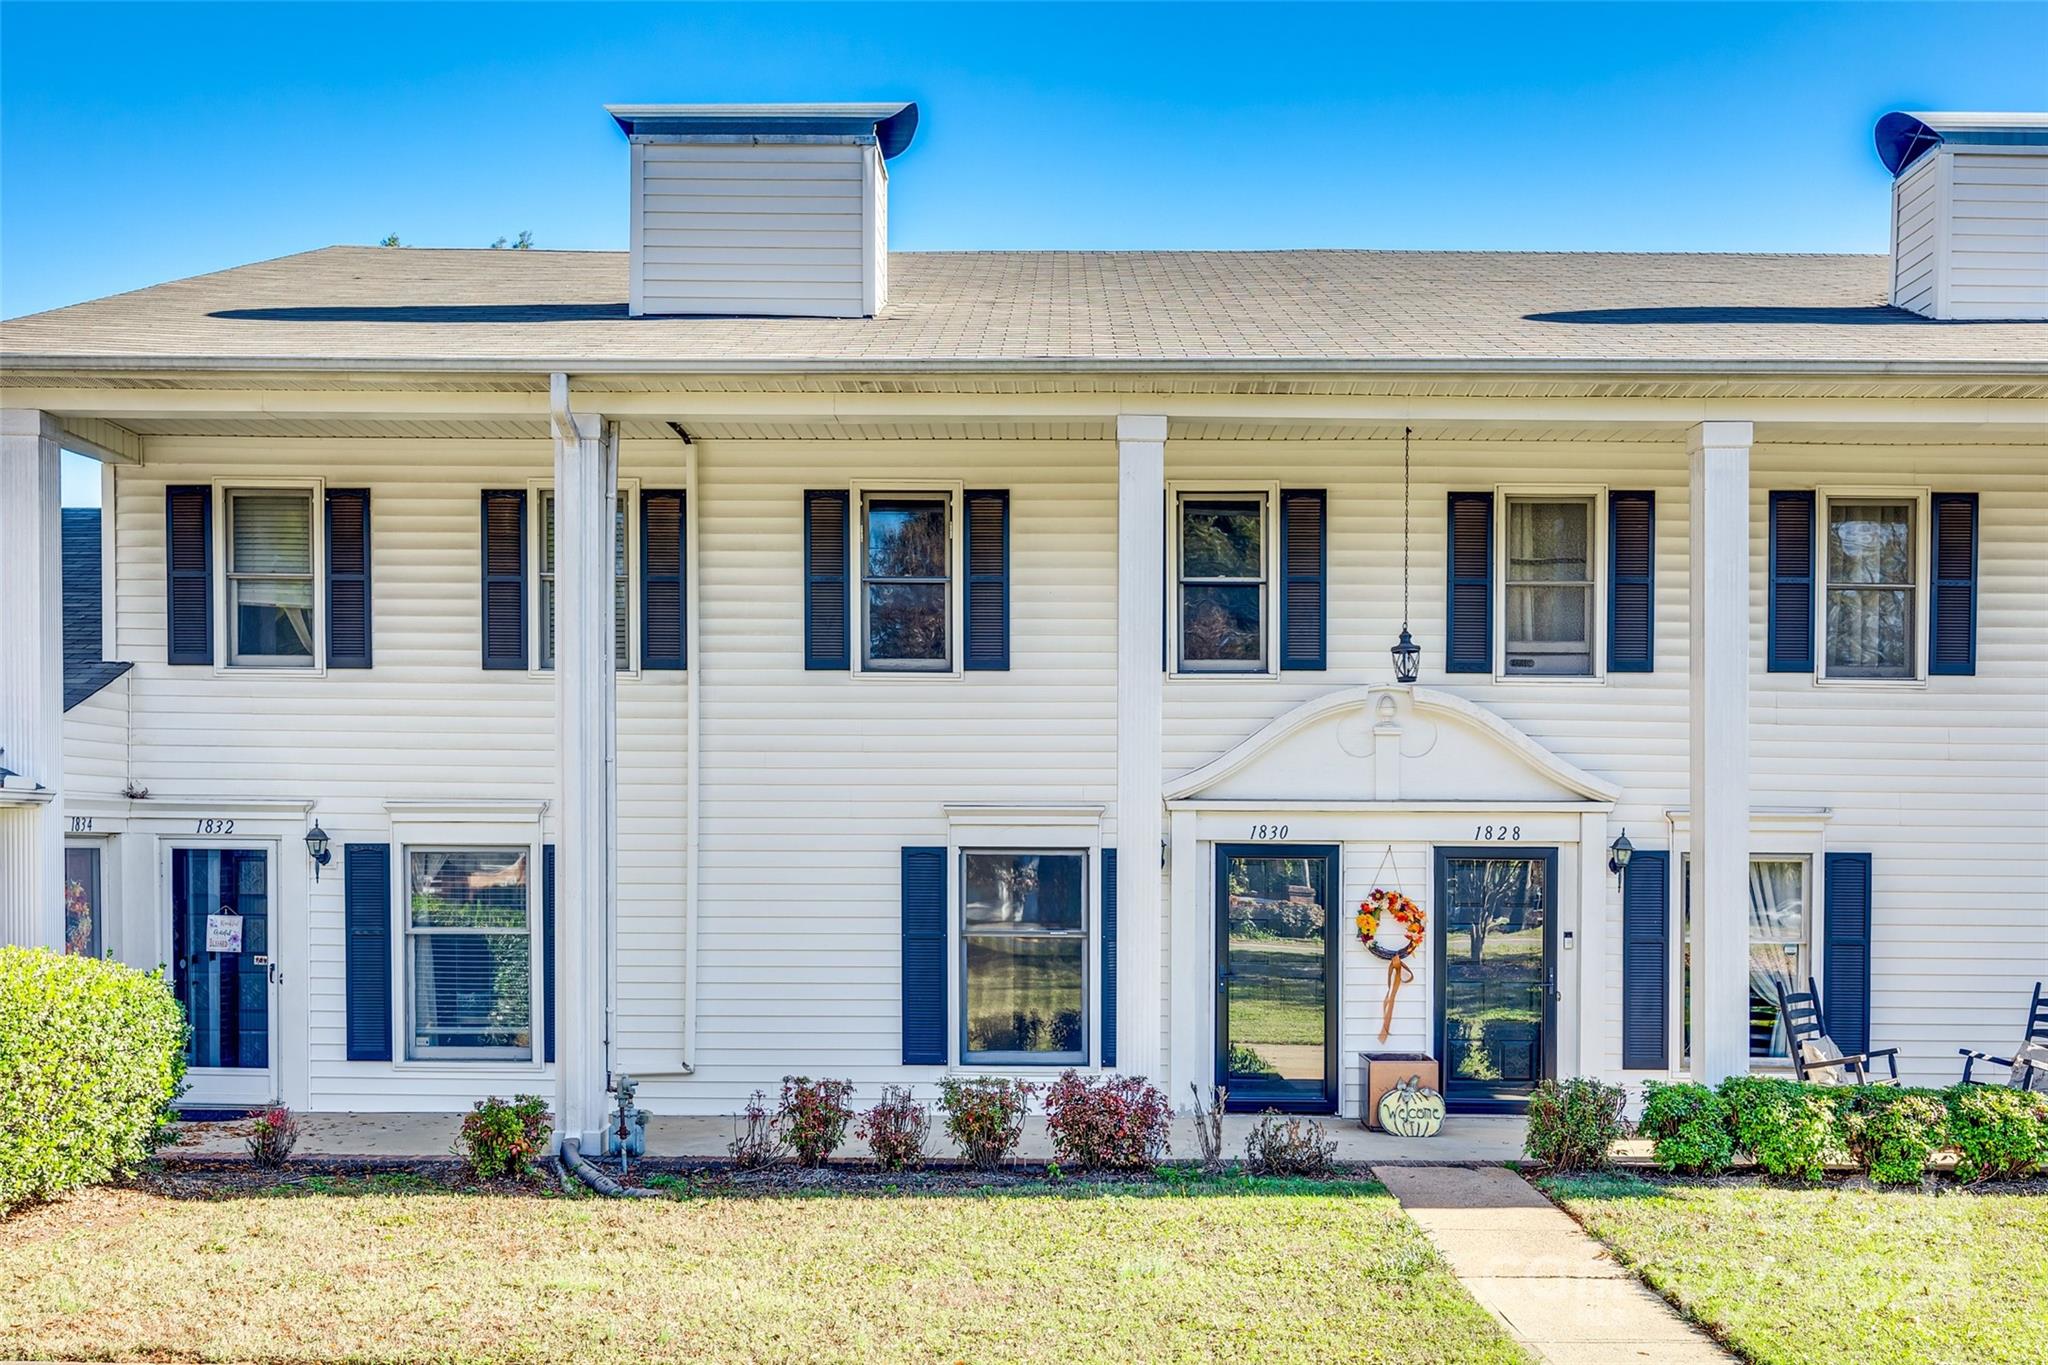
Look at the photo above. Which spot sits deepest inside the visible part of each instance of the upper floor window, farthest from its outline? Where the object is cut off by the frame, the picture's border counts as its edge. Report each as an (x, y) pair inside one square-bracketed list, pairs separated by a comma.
[(270, 599), (1024, 932), (1871, 606), (1549, 579), (906, 593), (1222, 583), (622, 595)]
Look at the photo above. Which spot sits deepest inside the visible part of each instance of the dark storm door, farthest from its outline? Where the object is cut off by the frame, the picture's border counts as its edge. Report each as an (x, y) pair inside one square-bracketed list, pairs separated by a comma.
[(1276, 976), (221, 970), (1496, 968)]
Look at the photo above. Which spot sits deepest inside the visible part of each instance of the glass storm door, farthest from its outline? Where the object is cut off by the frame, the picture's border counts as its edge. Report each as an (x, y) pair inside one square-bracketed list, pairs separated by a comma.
[(221, 971), (1496, 962), (1276, 975)]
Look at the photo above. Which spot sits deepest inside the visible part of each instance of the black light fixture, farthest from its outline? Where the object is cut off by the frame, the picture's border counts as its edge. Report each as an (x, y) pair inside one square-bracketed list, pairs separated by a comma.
[(316, 848), (1406, 653), (1618, 854)]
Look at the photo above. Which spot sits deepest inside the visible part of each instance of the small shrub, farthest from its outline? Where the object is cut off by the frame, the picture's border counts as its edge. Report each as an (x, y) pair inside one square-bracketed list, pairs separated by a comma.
[(1689, 1124), (92, 1054), (1998, 1133), (1891, 1131), (895, 1130), (1209, 1127), (1282, 1145), (758, 1142), (502, 1137), (985, 1116), (272, 1135), (814, 1117), (1573, 1123), (1786, 1127), (1117, 1123)]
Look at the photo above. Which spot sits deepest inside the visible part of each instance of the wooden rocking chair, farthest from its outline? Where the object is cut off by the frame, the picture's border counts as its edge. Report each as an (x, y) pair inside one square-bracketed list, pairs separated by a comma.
[(2029, 1061), (1828, 1065)]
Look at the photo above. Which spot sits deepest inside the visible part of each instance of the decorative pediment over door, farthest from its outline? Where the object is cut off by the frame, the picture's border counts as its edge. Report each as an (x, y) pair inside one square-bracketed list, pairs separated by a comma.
[(1390, 743)]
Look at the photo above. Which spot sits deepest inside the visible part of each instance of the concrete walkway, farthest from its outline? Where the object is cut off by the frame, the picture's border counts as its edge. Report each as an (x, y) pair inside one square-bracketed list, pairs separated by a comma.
[(1555, 1289)]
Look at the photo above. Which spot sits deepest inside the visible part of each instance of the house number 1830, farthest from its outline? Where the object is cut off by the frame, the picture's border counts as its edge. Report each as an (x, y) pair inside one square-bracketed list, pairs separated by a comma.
[(1269, 831)]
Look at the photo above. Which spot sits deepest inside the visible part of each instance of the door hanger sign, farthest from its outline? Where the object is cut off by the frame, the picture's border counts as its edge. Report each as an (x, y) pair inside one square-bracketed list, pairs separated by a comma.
[(224, 932)]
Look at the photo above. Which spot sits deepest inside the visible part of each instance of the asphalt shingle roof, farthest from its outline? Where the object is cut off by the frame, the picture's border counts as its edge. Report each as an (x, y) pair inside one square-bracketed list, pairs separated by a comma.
[(85, 672), (539, 309)]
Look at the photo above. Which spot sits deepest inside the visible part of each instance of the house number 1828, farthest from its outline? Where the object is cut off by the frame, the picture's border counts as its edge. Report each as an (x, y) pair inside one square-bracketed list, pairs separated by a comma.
[(1497, 833)]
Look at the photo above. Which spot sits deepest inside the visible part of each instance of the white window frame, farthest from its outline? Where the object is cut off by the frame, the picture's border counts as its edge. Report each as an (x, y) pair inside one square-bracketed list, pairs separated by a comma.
[(1596, 546), (1918, 500), (101, 849), (1087, 937), (538, 494), (953, 493), (314, 489), (1267, 495)]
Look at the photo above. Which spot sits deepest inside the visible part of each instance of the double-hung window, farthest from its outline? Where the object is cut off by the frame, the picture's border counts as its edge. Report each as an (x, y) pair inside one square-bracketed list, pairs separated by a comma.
[(1024, 939), (906, 592), (1871, 607), (270, 597), (1780, 950), (1221, 584), (469, 953), (1548, 574), (622, 585)]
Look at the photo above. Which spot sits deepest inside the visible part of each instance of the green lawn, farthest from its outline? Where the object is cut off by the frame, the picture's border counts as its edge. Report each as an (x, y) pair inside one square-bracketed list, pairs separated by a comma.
[(1228, 1270), (1835, 1276)]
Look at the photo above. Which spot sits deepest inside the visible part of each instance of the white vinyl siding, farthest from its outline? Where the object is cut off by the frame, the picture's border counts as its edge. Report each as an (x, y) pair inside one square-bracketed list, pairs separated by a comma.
[(1970, 234)]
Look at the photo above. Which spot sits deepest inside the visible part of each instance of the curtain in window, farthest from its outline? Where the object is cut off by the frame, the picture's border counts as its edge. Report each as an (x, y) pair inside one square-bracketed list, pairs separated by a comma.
[(271, 560), (1870, 595), (1549, 574), (1777, 940)]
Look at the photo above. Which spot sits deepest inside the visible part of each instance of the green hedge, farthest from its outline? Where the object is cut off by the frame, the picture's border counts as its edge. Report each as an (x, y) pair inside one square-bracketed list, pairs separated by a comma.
[(91, 1055)]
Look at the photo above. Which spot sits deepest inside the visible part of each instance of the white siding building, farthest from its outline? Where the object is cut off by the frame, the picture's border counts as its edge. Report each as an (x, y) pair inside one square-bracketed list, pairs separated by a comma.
[(899, 666)]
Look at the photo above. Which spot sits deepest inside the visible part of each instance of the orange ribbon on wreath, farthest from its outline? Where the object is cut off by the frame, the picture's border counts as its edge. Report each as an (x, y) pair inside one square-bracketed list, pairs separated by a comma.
[(1399, 973)]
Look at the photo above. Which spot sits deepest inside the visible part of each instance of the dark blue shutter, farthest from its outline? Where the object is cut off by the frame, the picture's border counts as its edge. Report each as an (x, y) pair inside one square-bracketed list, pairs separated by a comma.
[(504, 566), (662, 603), (1789, 628), (1952, 623), (827, 635), (1646, 961), (1109, 957), (1304, 568), (366, 962), (348, 578), (1468, 618), (1845, 958), (924, 957), (988, 580), (547, 948), (1631, 582), (188, 574)]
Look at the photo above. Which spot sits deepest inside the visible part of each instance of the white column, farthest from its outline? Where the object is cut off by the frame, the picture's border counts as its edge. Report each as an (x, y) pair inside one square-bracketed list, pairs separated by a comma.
[(1719, 584), (1140, 580), (31, 678), (586, 484)]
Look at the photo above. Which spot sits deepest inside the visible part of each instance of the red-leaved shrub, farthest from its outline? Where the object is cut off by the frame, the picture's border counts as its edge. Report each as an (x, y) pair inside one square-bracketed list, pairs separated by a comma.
[(814, 1117), (985, 1116), (895, 1129), (1112, 1123)]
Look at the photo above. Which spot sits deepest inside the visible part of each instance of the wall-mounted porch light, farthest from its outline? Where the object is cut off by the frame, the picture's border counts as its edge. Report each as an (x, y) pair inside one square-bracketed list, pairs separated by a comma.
[(316, 848), (1618, 854)]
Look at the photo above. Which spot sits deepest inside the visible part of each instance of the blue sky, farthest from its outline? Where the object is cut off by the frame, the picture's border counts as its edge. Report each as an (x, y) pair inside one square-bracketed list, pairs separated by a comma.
[(145, 143)]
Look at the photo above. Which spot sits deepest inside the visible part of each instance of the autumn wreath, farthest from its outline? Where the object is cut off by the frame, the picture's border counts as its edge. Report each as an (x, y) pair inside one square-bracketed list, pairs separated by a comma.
[(1409, 916)]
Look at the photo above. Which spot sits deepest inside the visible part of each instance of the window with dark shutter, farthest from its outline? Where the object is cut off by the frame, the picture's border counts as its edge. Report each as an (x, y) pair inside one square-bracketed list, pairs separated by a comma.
[(1789, 612), (1646, 961), (348, 578), (547, 950), (188, 577), (1952, 625), (1632, 582), (1304, 566), (924, 957), (662, 602), (504, 585), (1845, 957), (1109, 957), (366, 964), (988, 580), (1469, 610), (827, 637)]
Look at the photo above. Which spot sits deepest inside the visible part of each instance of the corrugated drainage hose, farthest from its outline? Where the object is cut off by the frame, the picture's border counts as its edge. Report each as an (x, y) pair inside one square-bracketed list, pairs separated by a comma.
[(572, 1157)]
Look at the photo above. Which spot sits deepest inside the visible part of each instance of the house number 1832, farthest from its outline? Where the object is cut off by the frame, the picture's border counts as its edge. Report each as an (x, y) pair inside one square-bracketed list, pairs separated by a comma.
[(214, 827)]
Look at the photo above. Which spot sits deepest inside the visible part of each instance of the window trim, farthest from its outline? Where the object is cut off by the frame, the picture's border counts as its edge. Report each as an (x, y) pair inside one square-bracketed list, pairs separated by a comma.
[(1088, 937), (1595, 496), (1267, 494), (221, 577), (101, 848), (403, 1001), (953, 492), (540, 492), (1922, 547)]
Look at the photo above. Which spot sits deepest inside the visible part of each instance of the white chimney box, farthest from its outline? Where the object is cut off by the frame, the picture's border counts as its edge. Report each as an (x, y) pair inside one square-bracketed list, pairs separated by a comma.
[(1969, 214), (761, 210)]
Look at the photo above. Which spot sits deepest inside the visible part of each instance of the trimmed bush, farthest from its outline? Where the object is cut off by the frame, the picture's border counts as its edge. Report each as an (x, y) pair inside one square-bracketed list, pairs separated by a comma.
[(1117, 1123), (814, 1116), (1786, 1127), (502, 1137), (759, 1142), (1689, 1124), (1574, 1123), (1998, 1133), (1286, 1145), (1892, 1131), (895, 1129), (985, 1116), (91, 1055)]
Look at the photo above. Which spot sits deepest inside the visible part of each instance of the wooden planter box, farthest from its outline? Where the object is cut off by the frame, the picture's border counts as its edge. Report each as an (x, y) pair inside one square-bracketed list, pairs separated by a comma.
[(1382, 1071)]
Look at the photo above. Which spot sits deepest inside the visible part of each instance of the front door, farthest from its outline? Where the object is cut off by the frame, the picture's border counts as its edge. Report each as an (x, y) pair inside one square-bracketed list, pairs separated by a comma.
[(1276, 976), (1496, 964), (221, 970)]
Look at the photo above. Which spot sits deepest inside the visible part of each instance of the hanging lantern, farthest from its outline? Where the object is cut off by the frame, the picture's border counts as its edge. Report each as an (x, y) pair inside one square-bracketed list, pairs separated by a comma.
[(1407, 655)]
